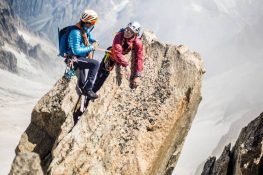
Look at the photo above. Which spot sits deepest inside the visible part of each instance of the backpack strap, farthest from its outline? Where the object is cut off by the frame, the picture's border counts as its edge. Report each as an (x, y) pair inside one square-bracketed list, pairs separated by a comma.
[(83, 34)]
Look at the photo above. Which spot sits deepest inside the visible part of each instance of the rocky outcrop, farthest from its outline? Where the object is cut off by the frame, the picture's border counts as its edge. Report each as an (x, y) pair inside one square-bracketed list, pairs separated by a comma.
[(245, 157), (26, 163), (125, 131), (220, 166), (8, 61)]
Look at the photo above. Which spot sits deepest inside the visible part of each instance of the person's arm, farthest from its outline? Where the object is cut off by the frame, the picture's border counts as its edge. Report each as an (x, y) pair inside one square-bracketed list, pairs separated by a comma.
[(75, 45), (117, 51), (91, 38), (139, 57)]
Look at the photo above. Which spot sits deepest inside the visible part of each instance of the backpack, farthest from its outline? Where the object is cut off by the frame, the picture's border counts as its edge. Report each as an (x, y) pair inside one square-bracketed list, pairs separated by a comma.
[(63, 39)]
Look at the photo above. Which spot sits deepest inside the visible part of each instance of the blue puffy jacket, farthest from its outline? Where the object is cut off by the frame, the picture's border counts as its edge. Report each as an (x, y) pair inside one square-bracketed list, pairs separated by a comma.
[(76, 43)]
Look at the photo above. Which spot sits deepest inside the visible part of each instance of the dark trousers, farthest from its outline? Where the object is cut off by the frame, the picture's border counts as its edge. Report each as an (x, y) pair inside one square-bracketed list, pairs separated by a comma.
[(106, 66), (83, 64), (101, 77)]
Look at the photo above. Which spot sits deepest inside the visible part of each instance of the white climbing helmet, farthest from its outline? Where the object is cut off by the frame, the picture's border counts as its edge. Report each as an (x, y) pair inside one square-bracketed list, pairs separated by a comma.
[(135, 26), (89, 16)]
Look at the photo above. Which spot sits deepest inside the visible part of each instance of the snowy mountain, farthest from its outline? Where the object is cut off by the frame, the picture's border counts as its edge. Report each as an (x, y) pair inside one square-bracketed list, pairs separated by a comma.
[(8, 35), (28, 69), (23, 51), (46, 16)]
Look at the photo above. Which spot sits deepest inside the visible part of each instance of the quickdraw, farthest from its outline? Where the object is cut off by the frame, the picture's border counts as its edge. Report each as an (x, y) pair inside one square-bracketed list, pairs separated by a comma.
[(108, 62)]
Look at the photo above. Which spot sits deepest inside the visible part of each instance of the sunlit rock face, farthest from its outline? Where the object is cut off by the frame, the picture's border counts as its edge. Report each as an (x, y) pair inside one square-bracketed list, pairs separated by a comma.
[(31, 167), (125, 131), (245, 157)]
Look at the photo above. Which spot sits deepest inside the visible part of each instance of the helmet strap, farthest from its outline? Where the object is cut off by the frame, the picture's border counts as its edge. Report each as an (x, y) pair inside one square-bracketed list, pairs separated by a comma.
[(82, 24)]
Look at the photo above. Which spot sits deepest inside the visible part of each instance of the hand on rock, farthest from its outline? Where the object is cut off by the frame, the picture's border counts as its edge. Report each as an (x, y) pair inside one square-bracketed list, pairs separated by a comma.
[(127, 73), (135, 82)]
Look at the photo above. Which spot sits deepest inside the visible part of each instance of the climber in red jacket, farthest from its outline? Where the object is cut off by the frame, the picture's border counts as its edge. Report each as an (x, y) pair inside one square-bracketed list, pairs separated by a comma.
[(124, 41)]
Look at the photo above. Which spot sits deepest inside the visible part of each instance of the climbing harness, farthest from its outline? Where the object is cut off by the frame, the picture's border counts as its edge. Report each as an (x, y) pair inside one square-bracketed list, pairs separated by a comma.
[(70, 69)]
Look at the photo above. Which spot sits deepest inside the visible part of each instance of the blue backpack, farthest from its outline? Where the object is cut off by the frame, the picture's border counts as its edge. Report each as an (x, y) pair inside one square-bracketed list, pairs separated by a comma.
[(63, 39)]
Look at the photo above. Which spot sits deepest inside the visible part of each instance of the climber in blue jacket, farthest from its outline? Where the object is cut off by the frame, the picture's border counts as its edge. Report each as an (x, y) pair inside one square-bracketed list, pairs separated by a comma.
[(81, 47)]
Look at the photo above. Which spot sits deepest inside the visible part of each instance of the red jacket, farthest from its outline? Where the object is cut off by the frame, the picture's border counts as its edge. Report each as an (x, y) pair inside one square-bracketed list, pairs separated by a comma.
[(122, 46)]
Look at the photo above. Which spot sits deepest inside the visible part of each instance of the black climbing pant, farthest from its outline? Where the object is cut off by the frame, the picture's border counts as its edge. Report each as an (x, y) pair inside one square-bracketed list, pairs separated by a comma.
[(83, 64)]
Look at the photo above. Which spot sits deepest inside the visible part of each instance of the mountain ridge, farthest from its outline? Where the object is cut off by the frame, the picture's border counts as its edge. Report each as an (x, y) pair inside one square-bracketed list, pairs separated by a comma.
[(125, 131), (245, 157)]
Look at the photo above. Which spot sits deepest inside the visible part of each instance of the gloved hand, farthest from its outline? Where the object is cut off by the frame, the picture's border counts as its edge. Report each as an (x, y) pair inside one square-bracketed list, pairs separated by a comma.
[(95, 45), (135, 82)]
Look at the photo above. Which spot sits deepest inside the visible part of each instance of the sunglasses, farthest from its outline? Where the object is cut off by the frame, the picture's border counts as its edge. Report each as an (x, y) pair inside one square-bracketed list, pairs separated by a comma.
[(128, 30), (91, 22)]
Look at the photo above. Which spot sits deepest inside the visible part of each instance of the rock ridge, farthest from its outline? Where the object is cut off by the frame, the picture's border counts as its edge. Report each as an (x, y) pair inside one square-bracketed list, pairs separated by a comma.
[(245, 157), (125, 131)]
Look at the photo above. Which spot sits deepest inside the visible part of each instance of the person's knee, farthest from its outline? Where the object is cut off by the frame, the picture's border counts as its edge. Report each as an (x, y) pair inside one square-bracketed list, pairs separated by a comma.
[(96, 64)]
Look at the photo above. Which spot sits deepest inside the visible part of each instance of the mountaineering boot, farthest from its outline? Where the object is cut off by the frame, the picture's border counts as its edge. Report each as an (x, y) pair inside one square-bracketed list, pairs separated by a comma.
[(90, 94)]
